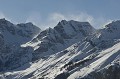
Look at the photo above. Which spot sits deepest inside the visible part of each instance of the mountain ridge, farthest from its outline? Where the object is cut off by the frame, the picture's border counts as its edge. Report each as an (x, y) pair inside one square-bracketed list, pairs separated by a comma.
[(70, 50)]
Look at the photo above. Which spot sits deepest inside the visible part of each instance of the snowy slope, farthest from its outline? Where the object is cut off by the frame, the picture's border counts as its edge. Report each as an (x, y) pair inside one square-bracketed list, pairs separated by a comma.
[(70, 50), (104, 58), (64, 34), (84, 56)]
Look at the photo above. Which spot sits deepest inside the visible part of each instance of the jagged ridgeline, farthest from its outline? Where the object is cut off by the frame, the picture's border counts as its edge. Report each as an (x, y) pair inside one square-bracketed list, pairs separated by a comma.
[(70, 50)]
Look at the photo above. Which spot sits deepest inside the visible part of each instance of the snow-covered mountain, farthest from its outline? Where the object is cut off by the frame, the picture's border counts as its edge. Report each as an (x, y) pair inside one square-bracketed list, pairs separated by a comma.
[(70, 50), (64, 34), (17, 34), (12, 55)]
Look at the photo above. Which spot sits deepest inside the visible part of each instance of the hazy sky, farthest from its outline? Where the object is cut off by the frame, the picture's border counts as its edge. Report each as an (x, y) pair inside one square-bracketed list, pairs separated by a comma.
[(46, 13)]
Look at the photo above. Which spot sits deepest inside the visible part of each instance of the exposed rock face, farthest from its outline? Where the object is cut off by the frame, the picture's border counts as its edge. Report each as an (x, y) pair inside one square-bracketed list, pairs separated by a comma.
[(17, 34), (27, 30), (12, 36), (111, 31)]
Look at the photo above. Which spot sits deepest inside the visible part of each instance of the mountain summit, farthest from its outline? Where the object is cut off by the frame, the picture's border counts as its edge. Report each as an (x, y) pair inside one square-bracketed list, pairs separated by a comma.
[(63, 35)]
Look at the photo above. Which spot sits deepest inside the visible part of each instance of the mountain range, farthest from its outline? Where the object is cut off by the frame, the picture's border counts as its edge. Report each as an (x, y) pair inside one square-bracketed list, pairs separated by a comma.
[(70, 50)]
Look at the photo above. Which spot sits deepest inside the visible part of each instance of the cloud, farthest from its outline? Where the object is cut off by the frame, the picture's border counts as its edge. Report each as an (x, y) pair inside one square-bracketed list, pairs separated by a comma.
[(100, 22), (34, 17), (52, 19), (2, 15), (56, 17), (82, 17)]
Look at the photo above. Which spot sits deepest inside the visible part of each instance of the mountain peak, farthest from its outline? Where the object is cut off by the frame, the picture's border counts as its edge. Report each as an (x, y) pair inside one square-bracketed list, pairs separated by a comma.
[(111, 30), (71, 27), (115, 24), (29, 24), (64, 22), (2, 19), (5, 22)]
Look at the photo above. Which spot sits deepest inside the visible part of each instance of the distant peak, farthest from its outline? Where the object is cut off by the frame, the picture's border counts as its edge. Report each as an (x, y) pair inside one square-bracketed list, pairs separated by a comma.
[(113, 24), (2, 19), (64, 21), (73, 21), (116, 21), (29, 24)]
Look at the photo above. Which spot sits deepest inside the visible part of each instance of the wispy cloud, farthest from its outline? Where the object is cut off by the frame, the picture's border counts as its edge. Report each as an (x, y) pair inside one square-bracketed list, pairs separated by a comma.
[(2, 15), (34, 17), (54, 18)]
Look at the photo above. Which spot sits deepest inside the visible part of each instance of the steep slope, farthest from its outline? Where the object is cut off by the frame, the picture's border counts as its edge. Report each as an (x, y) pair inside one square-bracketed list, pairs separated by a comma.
[(11, 38), (107, 61), (111, 31), (51, 41), (104, 58), (64, 34), (17, 34)]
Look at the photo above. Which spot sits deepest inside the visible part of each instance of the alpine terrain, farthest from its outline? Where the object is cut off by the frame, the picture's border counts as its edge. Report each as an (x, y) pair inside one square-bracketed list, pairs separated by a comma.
[(70, 50)]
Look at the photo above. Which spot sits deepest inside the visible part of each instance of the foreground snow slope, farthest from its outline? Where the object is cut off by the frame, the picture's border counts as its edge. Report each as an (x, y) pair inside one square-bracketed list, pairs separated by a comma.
[(84, 56), (104, 58)]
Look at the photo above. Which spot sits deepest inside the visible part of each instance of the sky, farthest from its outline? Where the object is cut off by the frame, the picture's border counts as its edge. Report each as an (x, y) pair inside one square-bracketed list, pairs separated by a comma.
[(47, 13)]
